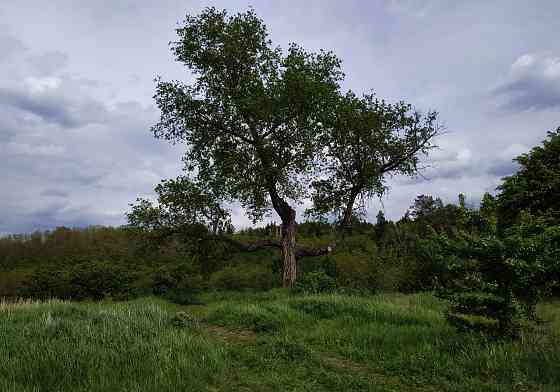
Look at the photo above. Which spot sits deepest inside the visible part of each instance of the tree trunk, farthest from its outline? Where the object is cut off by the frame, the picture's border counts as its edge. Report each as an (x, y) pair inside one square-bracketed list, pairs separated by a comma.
[(288, 241), (289, 250), (347, 218)]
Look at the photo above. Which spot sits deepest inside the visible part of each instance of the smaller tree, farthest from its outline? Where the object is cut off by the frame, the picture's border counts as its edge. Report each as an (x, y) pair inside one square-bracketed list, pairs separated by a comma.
[(181, 205), (500, 279), (424, 206), (380, 225), (366, 140)]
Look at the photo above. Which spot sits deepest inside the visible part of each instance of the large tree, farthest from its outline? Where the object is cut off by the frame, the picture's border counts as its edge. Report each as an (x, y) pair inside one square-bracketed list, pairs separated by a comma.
[(251, 117), (367, 139)]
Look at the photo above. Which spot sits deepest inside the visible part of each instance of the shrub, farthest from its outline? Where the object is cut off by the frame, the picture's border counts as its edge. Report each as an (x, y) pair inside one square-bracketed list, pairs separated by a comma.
[(355, 271), (178, 283), (86, 280), (501, 279), (314, 283), (243, 277)]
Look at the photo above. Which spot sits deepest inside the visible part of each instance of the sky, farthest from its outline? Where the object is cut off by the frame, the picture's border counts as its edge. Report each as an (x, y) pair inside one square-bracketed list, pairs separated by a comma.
[(77, 86)]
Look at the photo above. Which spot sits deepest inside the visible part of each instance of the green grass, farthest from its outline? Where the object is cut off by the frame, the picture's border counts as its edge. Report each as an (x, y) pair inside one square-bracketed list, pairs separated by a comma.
[(266, 342)]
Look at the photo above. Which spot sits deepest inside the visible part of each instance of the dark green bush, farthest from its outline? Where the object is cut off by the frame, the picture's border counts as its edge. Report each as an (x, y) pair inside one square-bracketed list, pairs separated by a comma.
[(501, 279), (243, 277), (178, 283), (87, 280), (182, 276), (314, 283)]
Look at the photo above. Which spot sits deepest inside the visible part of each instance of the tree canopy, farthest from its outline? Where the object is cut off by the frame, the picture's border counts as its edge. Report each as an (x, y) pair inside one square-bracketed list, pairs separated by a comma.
[(181, 204), (536, 185), (366, 140)]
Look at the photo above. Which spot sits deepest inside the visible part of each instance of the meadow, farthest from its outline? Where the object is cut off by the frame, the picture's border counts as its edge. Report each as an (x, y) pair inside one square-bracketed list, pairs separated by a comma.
[(270, 341)]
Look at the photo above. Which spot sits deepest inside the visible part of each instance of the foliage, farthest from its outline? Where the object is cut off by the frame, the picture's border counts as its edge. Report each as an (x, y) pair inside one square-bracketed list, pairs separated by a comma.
[(65, 245), (315, 283), (182, 206), (87, 280), (502, 279), (244, 277), (366, 140), (535, 186), (178, 283), (250, 116)]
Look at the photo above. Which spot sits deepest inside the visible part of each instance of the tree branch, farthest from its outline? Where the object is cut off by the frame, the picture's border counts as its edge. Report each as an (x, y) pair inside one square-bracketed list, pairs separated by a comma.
[(310, 252)]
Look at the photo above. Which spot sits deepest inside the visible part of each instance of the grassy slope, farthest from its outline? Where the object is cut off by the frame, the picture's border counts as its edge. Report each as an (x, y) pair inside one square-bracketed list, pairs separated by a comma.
[(267, 342)]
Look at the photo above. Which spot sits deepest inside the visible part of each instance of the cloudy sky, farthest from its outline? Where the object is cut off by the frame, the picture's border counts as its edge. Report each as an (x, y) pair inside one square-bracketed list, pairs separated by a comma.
[(76, 87)]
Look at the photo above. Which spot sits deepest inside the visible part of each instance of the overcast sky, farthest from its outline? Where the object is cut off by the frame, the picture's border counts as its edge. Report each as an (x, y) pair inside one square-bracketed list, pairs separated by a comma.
[(76, 87)]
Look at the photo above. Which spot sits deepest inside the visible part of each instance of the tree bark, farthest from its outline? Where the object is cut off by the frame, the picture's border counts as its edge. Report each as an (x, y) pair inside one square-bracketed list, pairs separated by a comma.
[(347, 218), (288, 242), (289, 250)]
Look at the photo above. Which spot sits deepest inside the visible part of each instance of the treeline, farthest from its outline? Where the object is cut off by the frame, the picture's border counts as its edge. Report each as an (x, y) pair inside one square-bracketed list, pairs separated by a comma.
[(384, 255), (405, 255)]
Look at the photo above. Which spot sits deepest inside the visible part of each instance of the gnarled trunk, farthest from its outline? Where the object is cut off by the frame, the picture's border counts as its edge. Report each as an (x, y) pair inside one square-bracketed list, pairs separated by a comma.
[(347, 218), (289, 249), (288, 241)]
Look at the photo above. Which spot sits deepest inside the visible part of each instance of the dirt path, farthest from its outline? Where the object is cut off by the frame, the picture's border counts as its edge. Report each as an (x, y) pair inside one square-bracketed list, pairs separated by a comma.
[(378, 380)]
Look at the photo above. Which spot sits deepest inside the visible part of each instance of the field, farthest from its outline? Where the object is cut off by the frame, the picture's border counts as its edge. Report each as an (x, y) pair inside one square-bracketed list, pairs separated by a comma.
[(266, 342)]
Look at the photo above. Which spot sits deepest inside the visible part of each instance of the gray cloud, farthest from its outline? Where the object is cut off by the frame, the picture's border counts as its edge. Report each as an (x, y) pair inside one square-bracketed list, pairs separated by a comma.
[(55, 100), (70, 157), (534, 83)]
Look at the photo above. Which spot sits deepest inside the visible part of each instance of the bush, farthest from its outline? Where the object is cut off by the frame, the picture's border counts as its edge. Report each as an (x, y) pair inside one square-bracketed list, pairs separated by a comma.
[(183, 277), (314, 283), (501, 279), (355, 271), (243, 277), (86, 280), (178, 283)]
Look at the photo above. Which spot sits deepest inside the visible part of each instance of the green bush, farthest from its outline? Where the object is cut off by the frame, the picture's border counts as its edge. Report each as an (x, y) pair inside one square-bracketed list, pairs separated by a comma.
[(178, 283), (86, 280), (182, 276), (315, 282), (243, 277), (355, 271), (501, 280)]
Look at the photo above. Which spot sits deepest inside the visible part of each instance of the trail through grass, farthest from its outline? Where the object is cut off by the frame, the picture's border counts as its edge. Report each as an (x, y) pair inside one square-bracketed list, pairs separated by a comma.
[(266, 342)]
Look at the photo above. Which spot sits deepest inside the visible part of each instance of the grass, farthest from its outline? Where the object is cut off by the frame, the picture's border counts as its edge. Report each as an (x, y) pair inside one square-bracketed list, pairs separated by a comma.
[(266, 342)]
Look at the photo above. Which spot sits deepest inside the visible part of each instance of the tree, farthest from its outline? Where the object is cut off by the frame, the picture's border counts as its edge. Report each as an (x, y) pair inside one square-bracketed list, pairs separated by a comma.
[(424, 206), (535, 186), (251, 117), (367, 139), (501, 278), (181, 205), (380, 225)]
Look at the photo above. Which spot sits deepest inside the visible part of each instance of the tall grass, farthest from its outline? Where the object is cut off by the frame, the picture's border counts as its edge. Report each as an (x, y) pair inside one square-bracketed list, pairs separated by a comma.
[(266, 342)]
